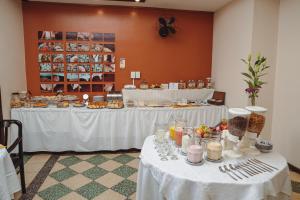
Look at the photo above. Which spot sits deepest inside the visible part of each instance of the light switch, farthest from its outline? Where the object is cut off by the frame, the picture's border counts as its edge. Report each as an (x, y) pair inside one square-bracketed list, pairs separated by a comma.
[(137, 74), (132, 75)]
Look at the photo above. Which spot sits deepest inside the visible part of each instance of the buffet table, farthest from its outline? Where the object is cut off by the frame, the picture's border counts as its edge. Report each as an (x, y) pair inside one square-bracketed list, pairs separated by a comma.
[(177, 180), (157, 95), (83, 129), (9, 183)]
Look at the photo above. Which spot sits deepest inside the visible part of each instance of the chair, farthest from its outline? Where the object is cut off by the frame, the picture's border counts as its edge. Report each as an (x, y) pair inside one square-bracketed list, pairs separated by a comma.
[(17, 158)]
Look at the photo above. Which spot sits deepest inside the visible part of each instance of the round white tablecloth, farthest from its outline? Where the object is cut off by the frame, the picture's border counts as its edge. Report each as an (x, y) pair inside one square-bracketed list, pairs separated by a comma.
[(9, 182), (177, 180)]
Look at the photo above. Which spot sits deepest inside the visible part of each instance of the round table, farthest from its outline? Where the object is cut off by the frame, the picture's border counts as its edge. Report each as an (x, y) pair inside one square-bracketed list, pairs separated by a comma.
[(177, 180), (9, 182)]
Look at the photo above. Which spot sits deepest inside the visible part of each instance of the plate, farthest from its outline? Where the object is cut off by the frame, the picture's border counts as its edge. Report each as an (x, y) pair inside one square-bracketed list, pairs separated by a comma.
[(79, 105), (215, 161), (194, 164)]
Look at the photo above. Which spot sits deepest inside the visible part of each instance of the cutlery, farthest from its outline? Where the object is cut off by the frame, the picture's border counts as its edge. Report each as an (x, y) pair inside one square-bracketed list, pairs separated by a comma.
[(261, 166), (244, 166), (245, 170), (236, 169), (253, 167), (256, 160), (224, 171), (227, 169)]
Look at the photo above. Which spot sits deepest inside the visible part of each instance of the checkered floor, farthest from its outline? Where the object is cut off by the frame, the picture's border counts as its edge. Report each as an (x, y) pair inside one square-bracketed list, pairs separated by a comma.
[(95, 176), (105, 176)]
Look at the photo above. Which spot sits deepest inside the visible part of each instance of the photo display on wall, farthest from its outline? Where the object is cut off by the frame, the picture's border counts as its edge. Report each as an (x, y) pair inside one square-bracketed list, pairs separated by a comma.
[(74, 62)]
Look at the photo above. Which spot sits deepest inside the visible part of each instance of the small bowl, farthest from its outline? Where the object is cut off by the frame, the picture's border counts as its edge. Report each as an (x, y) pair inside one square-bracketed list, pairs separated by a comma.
[(264, 146)]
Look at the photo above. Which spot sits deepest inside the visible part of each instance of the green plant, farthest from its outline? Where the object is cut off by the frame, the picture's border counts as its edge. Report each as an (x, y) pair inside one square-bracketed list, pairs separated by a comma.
[(256, 70)]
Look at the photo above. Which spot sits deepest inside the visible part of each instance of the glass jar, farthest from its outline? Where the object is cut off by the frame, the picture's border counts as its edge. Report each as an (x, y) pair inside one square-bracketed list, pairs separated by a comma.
[(15, 101), (187, 139), (195, 153), (214, 150), (200, 84), (209, 83), (191, 84), (238, 122), (257, 119), (181, 84), (179, 125)]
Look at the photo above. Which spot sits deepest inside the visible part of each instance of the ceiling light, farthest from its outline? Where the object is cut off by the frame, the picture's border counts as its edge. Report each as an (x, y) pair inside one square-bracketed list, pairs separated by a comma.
[(137, 0)]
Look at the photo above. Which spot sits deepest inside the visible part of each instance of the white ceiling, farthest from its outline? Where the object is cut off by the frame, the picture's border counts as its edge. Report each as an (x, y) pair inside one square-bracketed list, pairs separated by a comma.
[(198, 5)]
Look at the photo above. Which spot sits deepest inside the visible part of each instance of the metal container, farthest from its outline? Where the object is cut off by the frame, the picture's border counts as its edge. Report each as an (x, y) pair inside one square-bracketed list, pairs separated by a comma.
[(114, 96)]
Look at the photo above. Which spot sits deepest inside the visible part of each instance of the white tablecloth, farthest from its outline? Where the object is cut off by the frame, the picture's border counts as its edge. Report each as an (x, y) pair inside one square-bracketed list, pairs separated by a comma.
[(176, 180), (83, 129), (167, 95), (9, 182)]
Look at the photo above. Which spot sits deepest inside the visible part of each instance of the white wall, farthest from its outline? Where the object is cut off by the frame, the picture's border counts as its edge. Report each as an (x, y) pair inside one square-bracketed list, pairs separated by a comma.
[(12, 53), (264, 40), (286, 118), (231, 42)]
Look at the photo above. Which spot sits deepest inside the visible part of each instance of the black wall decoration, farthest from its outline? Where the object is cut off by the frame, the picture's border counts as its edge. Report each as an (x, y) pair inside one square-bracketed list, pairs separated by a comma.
[(166, 26)]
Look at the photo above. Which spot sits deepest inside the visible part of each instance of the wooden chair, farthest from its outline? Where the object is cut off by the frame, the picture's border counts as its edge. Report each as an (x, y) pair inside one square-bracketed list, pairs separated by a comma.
[(17, 158)]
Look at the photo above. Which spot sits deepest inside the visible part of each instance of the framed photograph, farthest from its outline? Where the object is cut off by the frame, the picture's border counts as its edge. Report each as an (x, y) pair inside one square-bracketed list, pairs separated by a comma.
[(97, 36), (109, 58), (83, 47), (84, 88), (71, 36), (50, 35), (44, 57), (83, 36), (46, 87), (45, 77), (58, 67), (72, 87), (97, 47), (109, 37), (45, 67), (84, 77), (45, 46), (109, 87), (96, 58), (71, 46), (58, 58), (109, 48), (71, 58), (72, 68), (83, 58), (72, 77), (97, 68), (58, 46), (109, 67), (58, 77), (58, 88), (97, 88), (97, 77), (84, 68)]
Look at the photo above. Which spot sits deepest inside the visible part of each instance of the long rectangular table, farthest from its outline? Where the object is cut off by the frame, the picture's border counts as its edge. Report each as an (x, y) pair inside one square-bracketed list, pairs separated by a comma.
[(83, 129)]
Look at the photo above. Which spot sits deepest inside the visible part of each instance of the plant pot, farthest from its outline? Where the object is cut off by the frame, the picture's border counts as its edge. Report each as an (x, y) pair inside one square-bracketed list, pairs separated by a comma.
[(257, 119)]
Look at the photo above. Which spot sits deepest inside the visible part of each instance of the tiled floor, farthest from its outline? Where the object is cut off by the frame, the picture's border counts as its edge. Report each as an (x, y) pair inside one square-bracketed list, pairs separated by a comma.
[(106, 176)]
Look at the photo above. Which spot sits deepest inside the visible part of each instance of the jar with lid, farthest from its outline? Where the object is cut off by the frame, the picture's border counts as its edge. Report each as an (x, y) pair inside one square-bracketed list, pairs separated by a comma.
[(209, 83), (200, 84), (15, 101), (238, 122), (181, 84), (179, 125), (191, 84)]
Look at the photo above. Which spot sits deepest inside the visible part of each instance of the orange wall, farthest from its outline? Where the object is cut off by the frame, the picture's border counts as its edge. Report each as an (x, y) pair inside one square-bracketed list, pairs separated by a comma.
[(186, 55)]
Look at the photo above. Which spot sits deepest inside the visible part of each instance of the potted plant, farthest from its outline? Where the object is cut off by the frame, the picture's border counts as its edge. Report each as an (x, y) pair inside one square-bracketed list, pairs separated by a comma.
[(256, 70)]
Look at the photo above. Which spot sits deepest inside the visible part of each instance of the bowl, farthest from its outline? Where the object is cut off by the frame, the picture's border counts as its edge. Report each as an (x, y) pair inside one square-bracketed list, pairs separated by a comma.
[(264, 146)]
